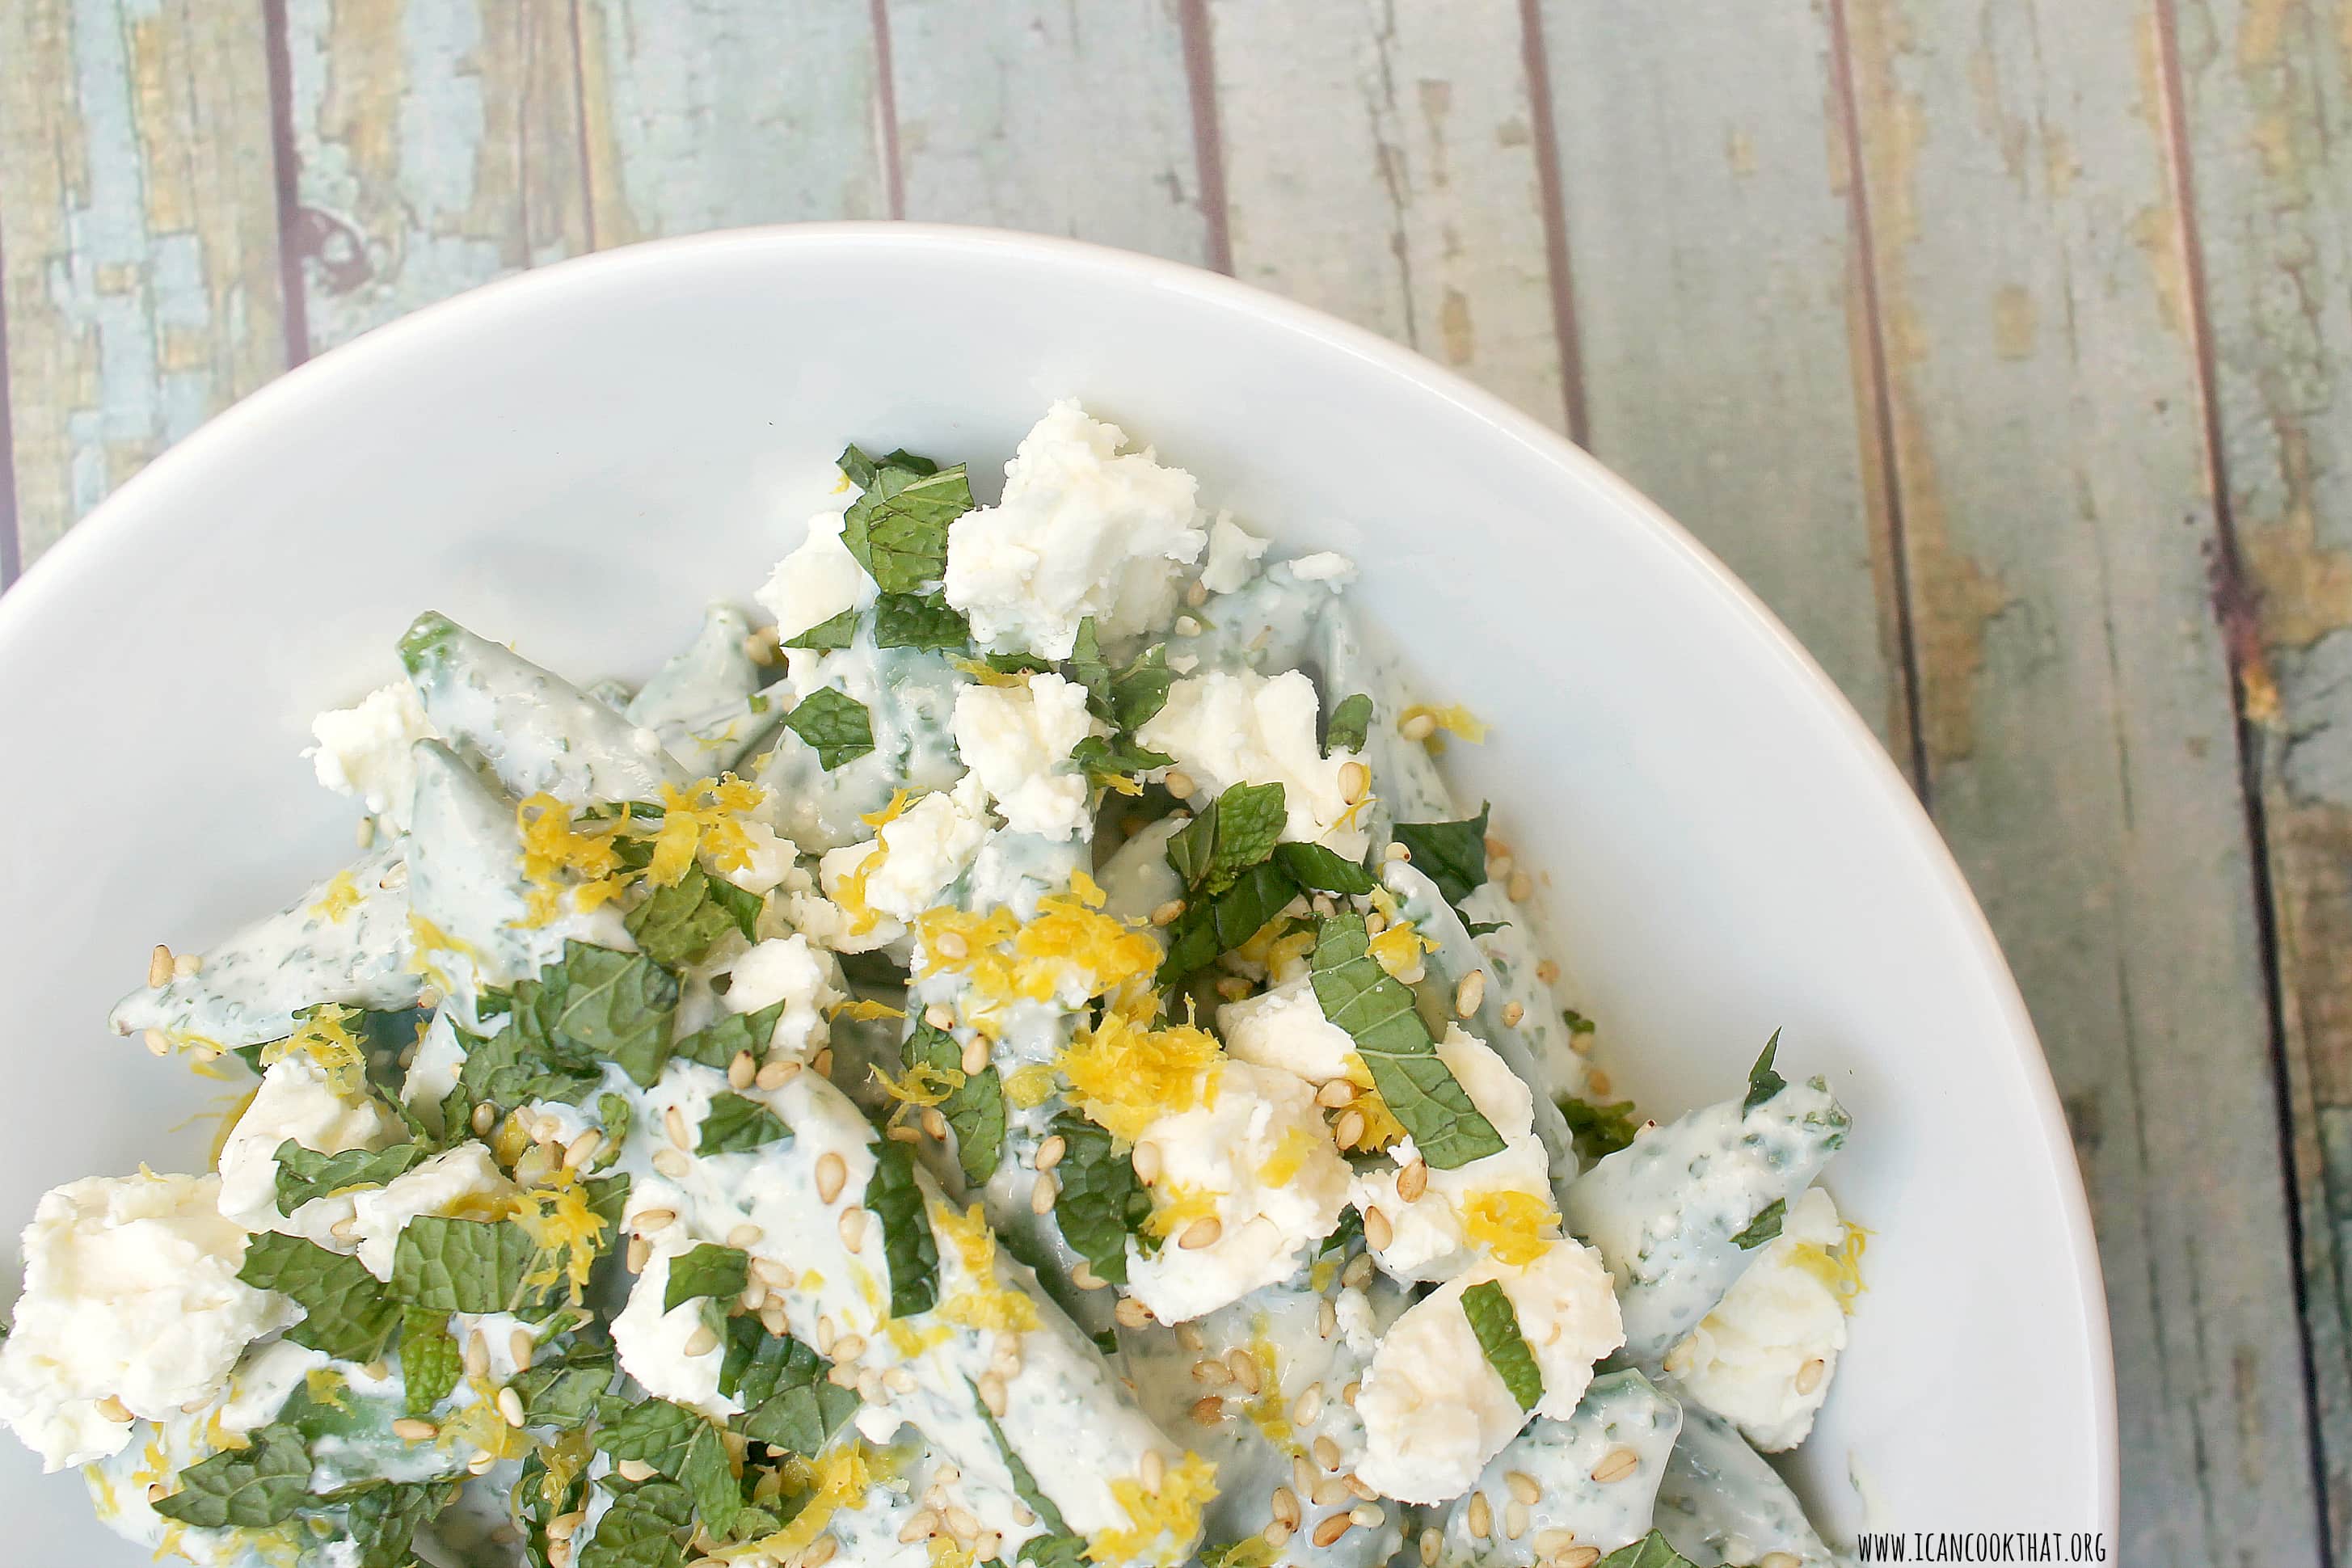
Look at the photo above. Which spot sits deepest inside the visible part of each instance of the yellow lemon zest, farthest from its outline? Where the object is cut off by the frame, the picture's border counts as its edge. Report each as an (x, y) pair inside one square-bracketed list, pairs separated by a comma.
[(946, 1553), (1285, 953), (228, 1121), (706, 817), (557, 1219), (480, 1426), (1266, 1412), (340, 898), (1518, 1227), (324, 1037), (1839, 1268), (901, 799), (986, 1302), (910, 1341), (1451, 720), (988, 674), (507, 1143), (1249, 1552), (1398, 950), (849, 891), (1381, 1126), (864, 1011), (922, 1085), (1320, 1274), (1066, 947), (426, 940), (553, 846), (835, 1480), (1125, 1075), (1088, 890), (1175, 1205), (1289, 1157), (1162, 1525), (1029, 1086), (1110, 952), (326, 1385), (1121, 783)]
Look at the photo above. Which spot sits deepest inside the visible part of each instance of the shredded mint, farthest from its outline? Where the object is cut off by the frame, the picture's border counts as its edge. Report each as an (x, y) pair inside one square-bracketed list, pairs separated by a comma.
[(1213, 925), (1055, 1552), (1497, 1324), (828, 635), (251, 1488), (1451, 854), (1377, 1012), (1350, 726), (1763, 1083), (653, 1432), (1237, 830), (1102, 1202), (1652, 1551), (1140, 691), (1087, 667), (975, 1107), (677, 926), (614, 1116), (719, 1044), (382, 1520), (1025, 1483), (461, 1265), (899, 528), (834, 724), (1599, 1130), (644, 1528), (1103, 760), (429, 1358), (925, 620), (345, 1312), (593, 1005), (906, 1241), (1321, 870), (707, 1271), (304, 1173), (788, 1401), (562, 1391), (735, 1122), (1764, 1227)]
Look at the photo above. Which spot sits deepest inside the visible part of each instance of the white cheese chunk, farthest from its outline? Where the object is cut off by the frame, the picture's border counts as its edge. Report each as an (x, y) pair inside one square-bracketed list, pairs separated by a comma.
[(463, 1182), (364, 750), (879, 885), (131, 1297), (295, 1100), (1749, 1359), (1017, 740), (768, 860), (817, 582), (787, 970), (1324, 566), (1082, 530), (652, 1342), (1233, 555), (1259, 1150), (1285, 1028), (1230, 728), (1436, 1411)]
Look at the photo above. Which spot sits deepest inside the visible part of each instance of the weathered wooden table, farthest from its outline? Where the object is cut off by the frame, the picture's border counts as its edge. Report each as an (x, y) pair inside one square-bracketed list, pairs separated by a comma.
[(2005, 346)]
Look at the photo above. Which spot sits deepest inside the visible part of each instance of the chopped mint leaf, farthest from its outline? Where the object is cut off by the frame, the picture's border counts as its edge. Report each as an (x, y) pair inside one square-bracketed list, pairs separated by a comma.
[(708, 1474), (1766, 1226), (1599, 1130), (1103, 760), (1210, 926), (1577, 1024), (709, 1270), (1345, 1235), (828, 635), (613, 1117), (608, 1198), (735, 1123), (925, 620), (861, 469), (1087, 667), (304, 1173), (1351, 724), (644, 1528), (345, 1312), (654, 1432), (462, 1265), (429, 1359), (675, 926), (251, 1488), (1763, 1083), (1497, 1324), (1140, 690), (1102, 1202), (383, 1520), (1238, 829), (537, 1500), (562, 1391), (593, 1005), (899, 528), (1055, 1552), (835, 726), (1451, 854), (1652, 1551), (788, 1400), (975, 1107), (1377, 1012), (1321, 870), (719, 1044), (906, 1242), (1025, 1483)]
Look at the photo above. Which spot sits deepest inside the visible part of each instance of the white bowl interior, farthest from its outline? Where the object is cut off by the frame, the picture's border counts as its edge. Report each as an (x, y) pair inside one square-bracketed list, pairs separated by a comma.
[(579, 460)]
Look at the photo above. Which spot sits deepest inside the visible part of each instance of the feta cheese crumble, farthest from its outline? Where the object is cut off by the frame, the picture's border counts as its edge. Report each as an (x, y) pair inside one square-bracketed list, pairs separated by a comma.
[(295, 1100), (1017, 740), (1233, 554), (880, 884), (367, 751), (463, 1182), (1229, 729), (786, 969), (817, 582), (1763, 1359), (1285, 1028)]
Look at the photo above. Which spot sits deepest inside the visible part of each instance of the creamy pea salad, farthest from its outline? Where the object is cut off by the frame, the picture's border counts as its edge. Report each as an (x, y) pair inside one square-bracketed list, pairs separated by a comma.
[(1011, 1053)]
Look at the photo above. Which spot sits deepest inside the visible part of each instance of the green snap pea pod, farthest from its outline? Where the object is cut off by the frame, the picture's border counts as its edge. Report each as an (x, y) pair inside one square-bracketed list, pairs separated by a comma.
[(1597, 1472), (699, 703), (345, 941), (1456, 955), (1669, 1214), (1406, 784), (1262, 626), (909, 696), (1512, 962), (536, 730), (1720, 1503)]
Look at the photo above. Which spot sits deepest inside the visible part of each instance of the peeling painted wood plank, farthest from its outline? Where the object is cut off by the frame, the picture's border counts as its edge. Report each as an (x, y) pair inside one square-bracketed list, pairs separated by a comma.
[(438, 147), (706, 113), (2267, 95), (140, 223), (1714, 251), (2048, 455), (1051, 118), (1380, 163)]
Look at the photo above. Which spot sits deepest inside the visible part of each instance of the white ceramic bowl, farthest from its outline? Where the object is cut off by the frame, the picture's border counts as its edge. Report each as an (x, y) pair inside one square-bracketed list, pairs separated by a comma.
[(579, 458)]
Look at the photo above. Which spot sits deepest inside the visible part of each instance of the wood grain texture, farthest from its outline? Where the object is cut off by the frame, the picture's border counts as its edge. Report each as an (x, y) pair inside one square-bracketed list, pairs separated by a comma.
[(438, 147), (2047, 437), (707, 113), (1380, 163), (136, 198), (2267, 88), (1714, 251), (1049, 117)]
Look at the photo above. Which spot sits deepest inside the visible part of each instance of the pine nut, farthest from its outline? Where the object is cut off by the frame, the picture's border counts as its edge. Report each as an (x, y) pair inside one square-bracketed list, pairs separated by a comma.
[(744, 1237), (1616, 1465), (1050, 1152), (159, 967), (702, 1341), (1179, 784), (1481, 1517), (775, 1075), (1336, 1095), (1809, 1375), (742, 1071), (1167, 913), (1514, 1521), (1350, 1128), (1412, 1181), (1308, 1406), (510, 1406), (409, 1430), (853, 1228), (582, 1149), (1042, 1194), (1523, 1487), (520, 1348), (1331, 1528), (671, 1163), (1469, 994), (1203, 1232), (974, 1057), (832, 1171), (635, 1471), (1208, 1410), (1378, 1232)]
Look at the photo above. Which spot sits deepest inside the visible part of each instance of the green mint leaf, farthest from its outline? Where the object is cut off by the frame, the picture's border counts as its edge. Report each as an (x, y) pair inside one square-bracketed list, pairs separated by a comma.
[(644, 1528), (1102, 759), (1763, 1083), (1652, 1551), (461, 1265), (593, 1005), (861, 469), (1344, 1237), (709, 1476), (707, 1271), (535, 1502), (1482, 928), (744, 906), (925, 620), (1018, 663), (252, 1488), (1601, 1131), (788, 1401), (899, 528), (719, 1044), (430, 1364), (383, 1520), (675, 926), (345, 1312), (1140, 690), (562, 1391), (1451, 854), (1764, 1227), (1239, 829), (1102, 1202), (1497, 1324), (1025, 1483), (975, 1107), (1055, 1552), (608, 1198), (1350, 726), (1321, 870), (1577, 1024), (655, 1432), (304, 1173), (1377, 1012), (734, 1123), (1087, 667), (906, 1241), (1210, 926), (830, 634), (613, 1115), (835, 725)]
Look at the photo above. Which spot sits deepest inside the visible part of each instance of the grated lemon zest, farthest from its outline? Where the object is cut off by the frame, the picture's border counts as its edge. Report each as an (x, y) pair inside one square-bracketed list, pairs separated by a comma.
[(1125, 1073), (1266, 1412), (556, 1216), (1175, 1205), (985, 1303), (340, 898), (988, 674), (1029, 1086), (836, 1480), (1518, 1227), (1088, 890), (1838, 1268), (864, 1011), (1289, 1157), (324, 1038), (703, 818), (1381, 1126), (1162, 1525), (1066, 947), (1451, 720), (922, 1085), (553, 848), (1399, 949), (424, 939), (326, 1385)]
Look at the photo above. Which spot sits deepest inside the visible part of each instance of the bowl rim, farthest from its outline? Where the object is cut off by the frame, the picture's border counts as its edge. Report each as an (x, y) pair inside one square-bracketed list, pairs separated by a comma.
[(121, 521)]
